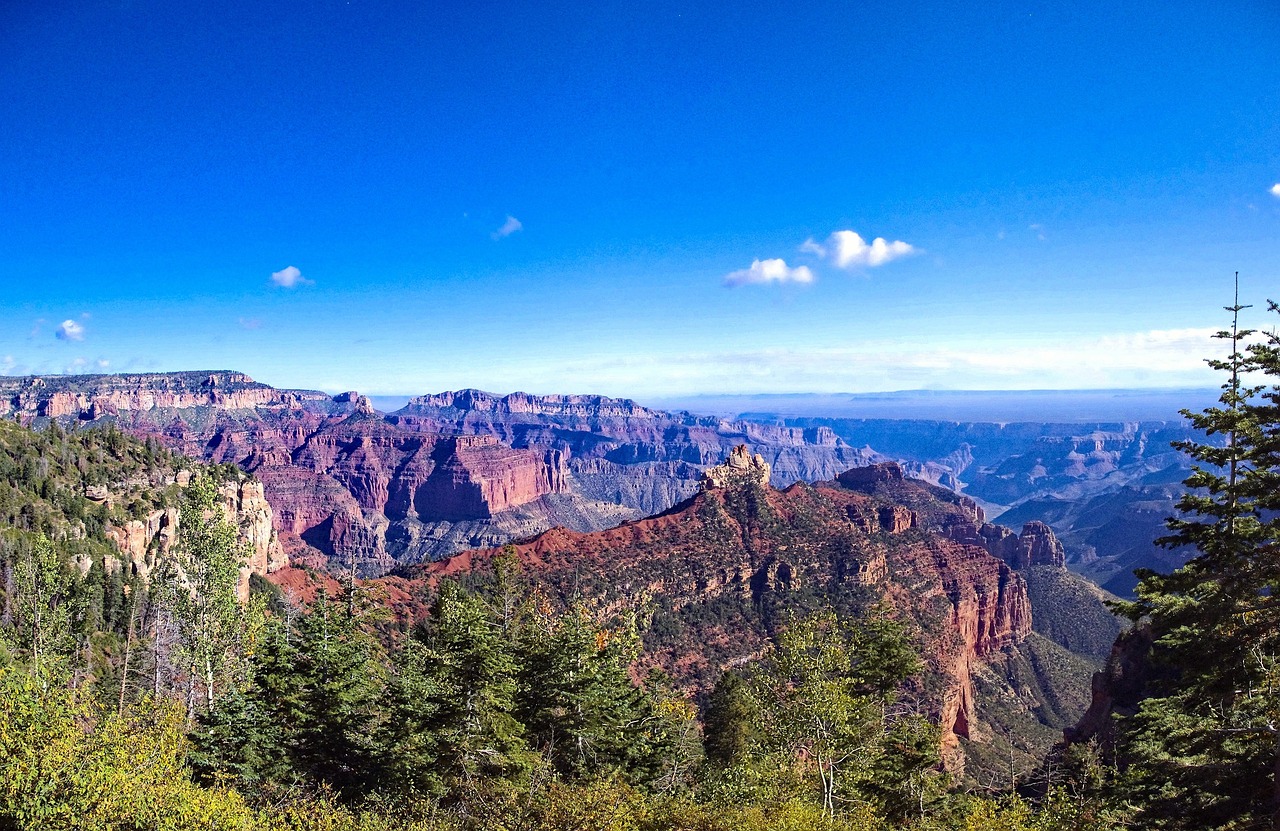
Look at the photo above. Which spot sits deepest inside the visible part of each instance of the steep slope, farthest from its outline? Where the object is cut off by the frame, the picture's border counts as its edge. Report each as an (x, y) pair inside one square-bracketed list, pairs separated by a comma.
[(621, 452), (715, 576), (110, 503), (1105, 488)]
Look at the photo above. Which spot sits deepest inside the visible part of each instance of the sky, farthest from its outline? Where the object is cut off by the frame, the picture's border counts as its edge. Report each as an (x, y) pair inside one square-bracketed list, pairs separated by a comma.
[(637, 199)]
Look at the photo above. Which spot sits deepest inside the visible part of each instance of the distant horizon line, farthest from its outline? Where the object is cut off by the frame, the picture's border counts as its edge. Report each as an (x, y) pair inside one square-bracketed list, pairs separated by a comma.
[(655, 397)]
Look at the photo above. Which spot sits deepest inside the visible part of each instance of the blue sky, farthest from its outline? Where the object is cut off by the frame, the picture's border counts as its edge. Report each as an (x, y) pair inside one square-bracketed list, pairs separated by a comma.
[(636, 199)]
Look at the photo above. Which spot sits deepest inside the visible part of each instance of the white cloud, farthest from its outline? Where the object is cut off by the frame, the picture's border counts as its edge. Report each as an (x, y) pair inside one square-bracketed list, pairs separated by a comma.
[(809, 246), (1275, 190), (69, 330), (103, 363), (1037, 229), (769, 271), (848, 249), (290, 276), (508, 228)]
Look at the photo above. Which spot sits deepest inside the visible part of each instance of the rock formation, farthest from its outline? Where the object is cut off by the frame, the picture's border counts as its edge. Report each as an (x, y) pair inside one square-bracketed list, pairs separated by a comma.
[(739, 546), (351, 486), (144, 543), (741, 468)]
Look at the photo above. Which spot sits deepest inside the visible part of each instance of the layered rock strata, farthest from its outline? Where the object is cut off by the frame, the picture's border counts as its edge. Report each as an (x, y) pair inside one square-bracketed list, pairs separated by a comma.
[(741, 545), (353, 487), (144, 543)]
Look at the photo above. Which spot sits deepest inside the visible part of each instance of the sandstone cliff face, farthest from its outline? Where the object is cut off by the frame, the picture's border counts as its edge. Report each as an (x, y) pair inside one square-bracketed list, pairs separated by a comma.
[(91, 397), (359, 491), (144, 543)]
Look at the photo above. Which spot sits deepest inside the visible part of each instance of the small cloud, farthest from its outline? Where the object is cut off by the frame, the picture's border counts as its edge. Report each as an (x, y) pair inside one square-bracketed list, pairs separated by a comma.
[(35, 328), (849, 250), (103, 363), (250, 323), (69, 330), (1275, 190), (768, 271), (290, 276), (809, 246), (508, 228), (1037, 229)]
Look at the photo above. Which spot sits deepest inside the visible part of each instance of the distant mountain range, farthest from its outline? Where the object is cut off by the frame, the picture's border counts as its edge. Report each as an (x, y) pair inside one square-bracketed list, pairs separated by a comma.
[(1001, 406), (351, 485)]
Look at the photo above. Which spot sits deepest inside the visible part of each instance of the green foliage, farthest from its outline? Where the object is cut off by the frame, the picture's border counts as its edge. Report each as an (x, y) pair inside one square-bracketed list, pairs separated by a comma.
[(197, 587), (822, 703), (467, 677), (1205, 746), (65, 764), (578, 703)]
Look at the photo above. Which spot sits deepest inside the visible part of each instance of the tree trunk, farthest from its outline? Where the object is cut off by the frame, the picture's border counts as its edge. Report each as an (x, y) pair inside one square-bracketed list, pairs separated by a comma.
[(1275, 785), (128, 651)]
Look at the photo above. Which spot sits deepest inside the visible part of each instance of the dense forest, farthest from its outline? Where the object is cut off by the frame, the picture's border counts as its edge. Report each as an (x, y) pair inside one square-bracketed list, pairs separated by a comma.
[(165, 700)]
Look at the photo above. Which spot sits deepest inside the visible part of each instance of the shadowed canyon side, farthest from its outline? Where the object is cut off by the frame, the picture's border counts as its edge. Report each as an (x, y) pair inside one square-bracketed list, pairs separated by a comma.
[(716, 576)]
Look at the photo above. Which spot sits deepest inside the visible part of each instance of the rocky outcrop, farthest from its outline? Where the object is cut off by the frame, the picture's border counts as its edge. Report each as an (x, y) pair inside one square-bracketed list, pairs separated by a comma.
[(1037, 545), (144, 543), (863, 478), (1118, 689), (245, 506), (741, 468)]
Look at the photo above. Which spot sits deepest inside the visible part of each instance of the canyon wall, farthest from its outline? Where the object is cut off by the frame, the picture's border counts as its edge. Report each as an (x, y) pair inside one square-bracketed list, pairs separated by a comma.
[(353, 487)]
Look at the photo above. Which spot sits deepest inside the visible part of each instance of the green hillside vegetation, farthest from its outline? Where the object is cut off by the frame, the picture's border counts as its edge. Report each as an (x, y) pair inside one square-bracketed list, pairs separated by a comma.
[(164, 703), (1072, 612), (1023, 729)]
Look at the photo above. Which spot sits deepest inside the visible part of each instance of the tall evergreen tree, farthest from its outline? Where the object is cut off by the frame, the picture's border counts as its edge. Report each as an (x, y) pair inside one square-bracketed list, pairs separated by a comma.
[(1205, 745), (581, 708), (454, 698)]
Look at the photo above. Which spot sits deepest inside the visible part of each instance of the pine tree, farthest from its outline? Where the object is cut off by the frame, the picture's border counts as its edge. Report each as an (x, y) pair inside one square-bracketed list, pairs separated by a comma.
[(452, 701), (581, 708), (1205, 745)]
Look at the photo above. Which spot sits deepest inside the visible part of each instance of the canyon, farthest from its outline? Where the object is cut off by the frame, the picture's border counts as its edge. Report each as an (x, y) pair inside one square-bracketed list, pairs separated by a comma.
[(745, 523), (715, 576), (355, 488), (352, 488)]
